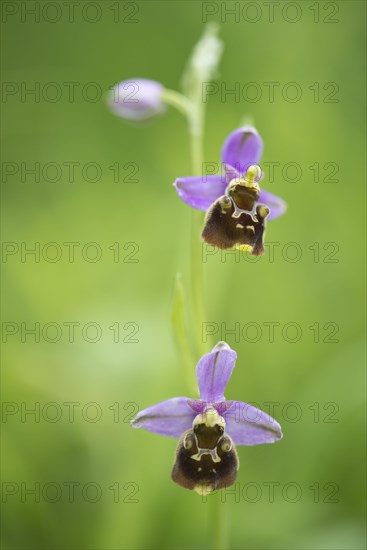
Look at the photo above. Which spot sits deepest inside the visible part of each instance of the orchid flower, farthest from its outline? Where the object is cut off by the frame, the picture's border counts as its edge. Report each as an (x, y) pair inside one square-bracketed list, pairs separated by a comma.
[(236, 207), (209, 428)]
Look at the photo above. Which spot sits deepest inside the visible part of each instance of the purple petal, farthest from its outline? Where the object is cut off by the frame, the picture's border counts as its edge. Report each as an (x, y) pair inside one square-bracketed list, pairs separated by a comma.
[(199, 406), (276, 204), (242, 148), (171, 418), (247, 425), (200, 191), (223, 406), (213, 372)]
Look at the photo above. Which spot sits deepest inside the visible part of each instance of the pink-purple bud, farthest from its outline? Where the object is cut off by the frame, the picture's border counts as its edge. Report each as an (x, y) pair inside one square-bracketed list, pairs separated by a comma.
[(137, 99)]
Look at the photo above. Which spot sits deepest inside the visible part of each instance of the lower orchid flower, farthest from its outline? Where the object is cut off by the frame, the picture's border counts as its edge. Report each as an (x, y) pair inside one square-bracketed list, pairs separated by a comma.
[(236, 207), (209, 428)]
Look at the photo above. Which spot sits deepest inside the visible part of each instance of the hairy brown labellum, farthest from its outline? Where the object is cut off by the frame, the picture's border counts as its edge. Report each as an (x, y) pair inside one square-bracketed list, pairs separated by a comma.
[(227, 225), (206, 460)]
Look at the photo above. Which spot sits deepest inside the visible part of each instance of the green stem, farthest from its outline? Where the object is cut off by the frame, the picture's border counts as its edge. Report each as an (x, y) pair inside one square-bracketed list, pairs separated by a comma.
[(180, 325), (197, 286), (219, 523), (193, 110), (218, 517), (178, 101), (196, 123)]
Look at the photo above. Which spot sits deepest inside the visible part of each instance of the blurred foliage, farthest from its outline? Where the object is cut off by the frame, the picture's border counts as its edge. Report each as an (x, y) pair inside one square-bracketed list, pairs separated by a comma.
[(148, 212)]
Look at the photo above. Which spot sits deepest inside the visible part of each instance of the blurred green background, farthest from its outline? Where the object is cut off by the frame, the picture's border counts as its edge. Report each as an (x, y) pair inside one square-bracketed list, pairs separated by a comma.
[(316, 387)]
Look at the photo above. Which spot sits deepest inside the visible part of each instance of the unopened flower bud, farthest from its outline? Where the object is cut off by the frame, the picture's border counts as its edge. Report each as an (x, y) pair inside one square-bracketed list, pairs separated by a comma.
[(137, 99)]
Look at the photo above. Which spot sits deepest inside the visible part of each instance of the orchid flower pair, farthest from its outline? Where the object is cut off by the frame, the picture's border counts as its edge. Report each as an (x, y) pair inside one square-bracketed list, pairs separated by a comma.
[(236, 207), (209, 428)]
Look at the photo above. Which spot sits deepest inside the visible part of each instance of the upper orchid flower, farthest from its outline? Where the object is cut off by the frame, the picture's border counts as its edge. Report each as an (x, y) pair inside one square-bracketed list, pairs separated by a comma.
[(209, 428), (236, 207)]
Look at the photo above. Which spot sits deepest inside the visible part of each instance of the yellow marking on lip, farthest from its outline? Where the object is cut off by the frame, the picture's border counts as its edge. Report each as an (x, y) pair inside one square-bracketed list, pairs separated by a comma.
[(264, 211), (210, 417), (244, 247), (187, 443), (226, 447), (203, 490), (213, 454)]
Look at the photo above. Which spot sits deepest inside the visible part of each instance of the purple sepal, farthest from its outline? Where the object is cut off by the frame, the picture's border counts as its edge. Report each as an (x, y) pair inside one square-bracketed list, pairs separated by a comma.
[(200, 192), (171, 418), (247, 425), (242, 148), (213, 372)]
